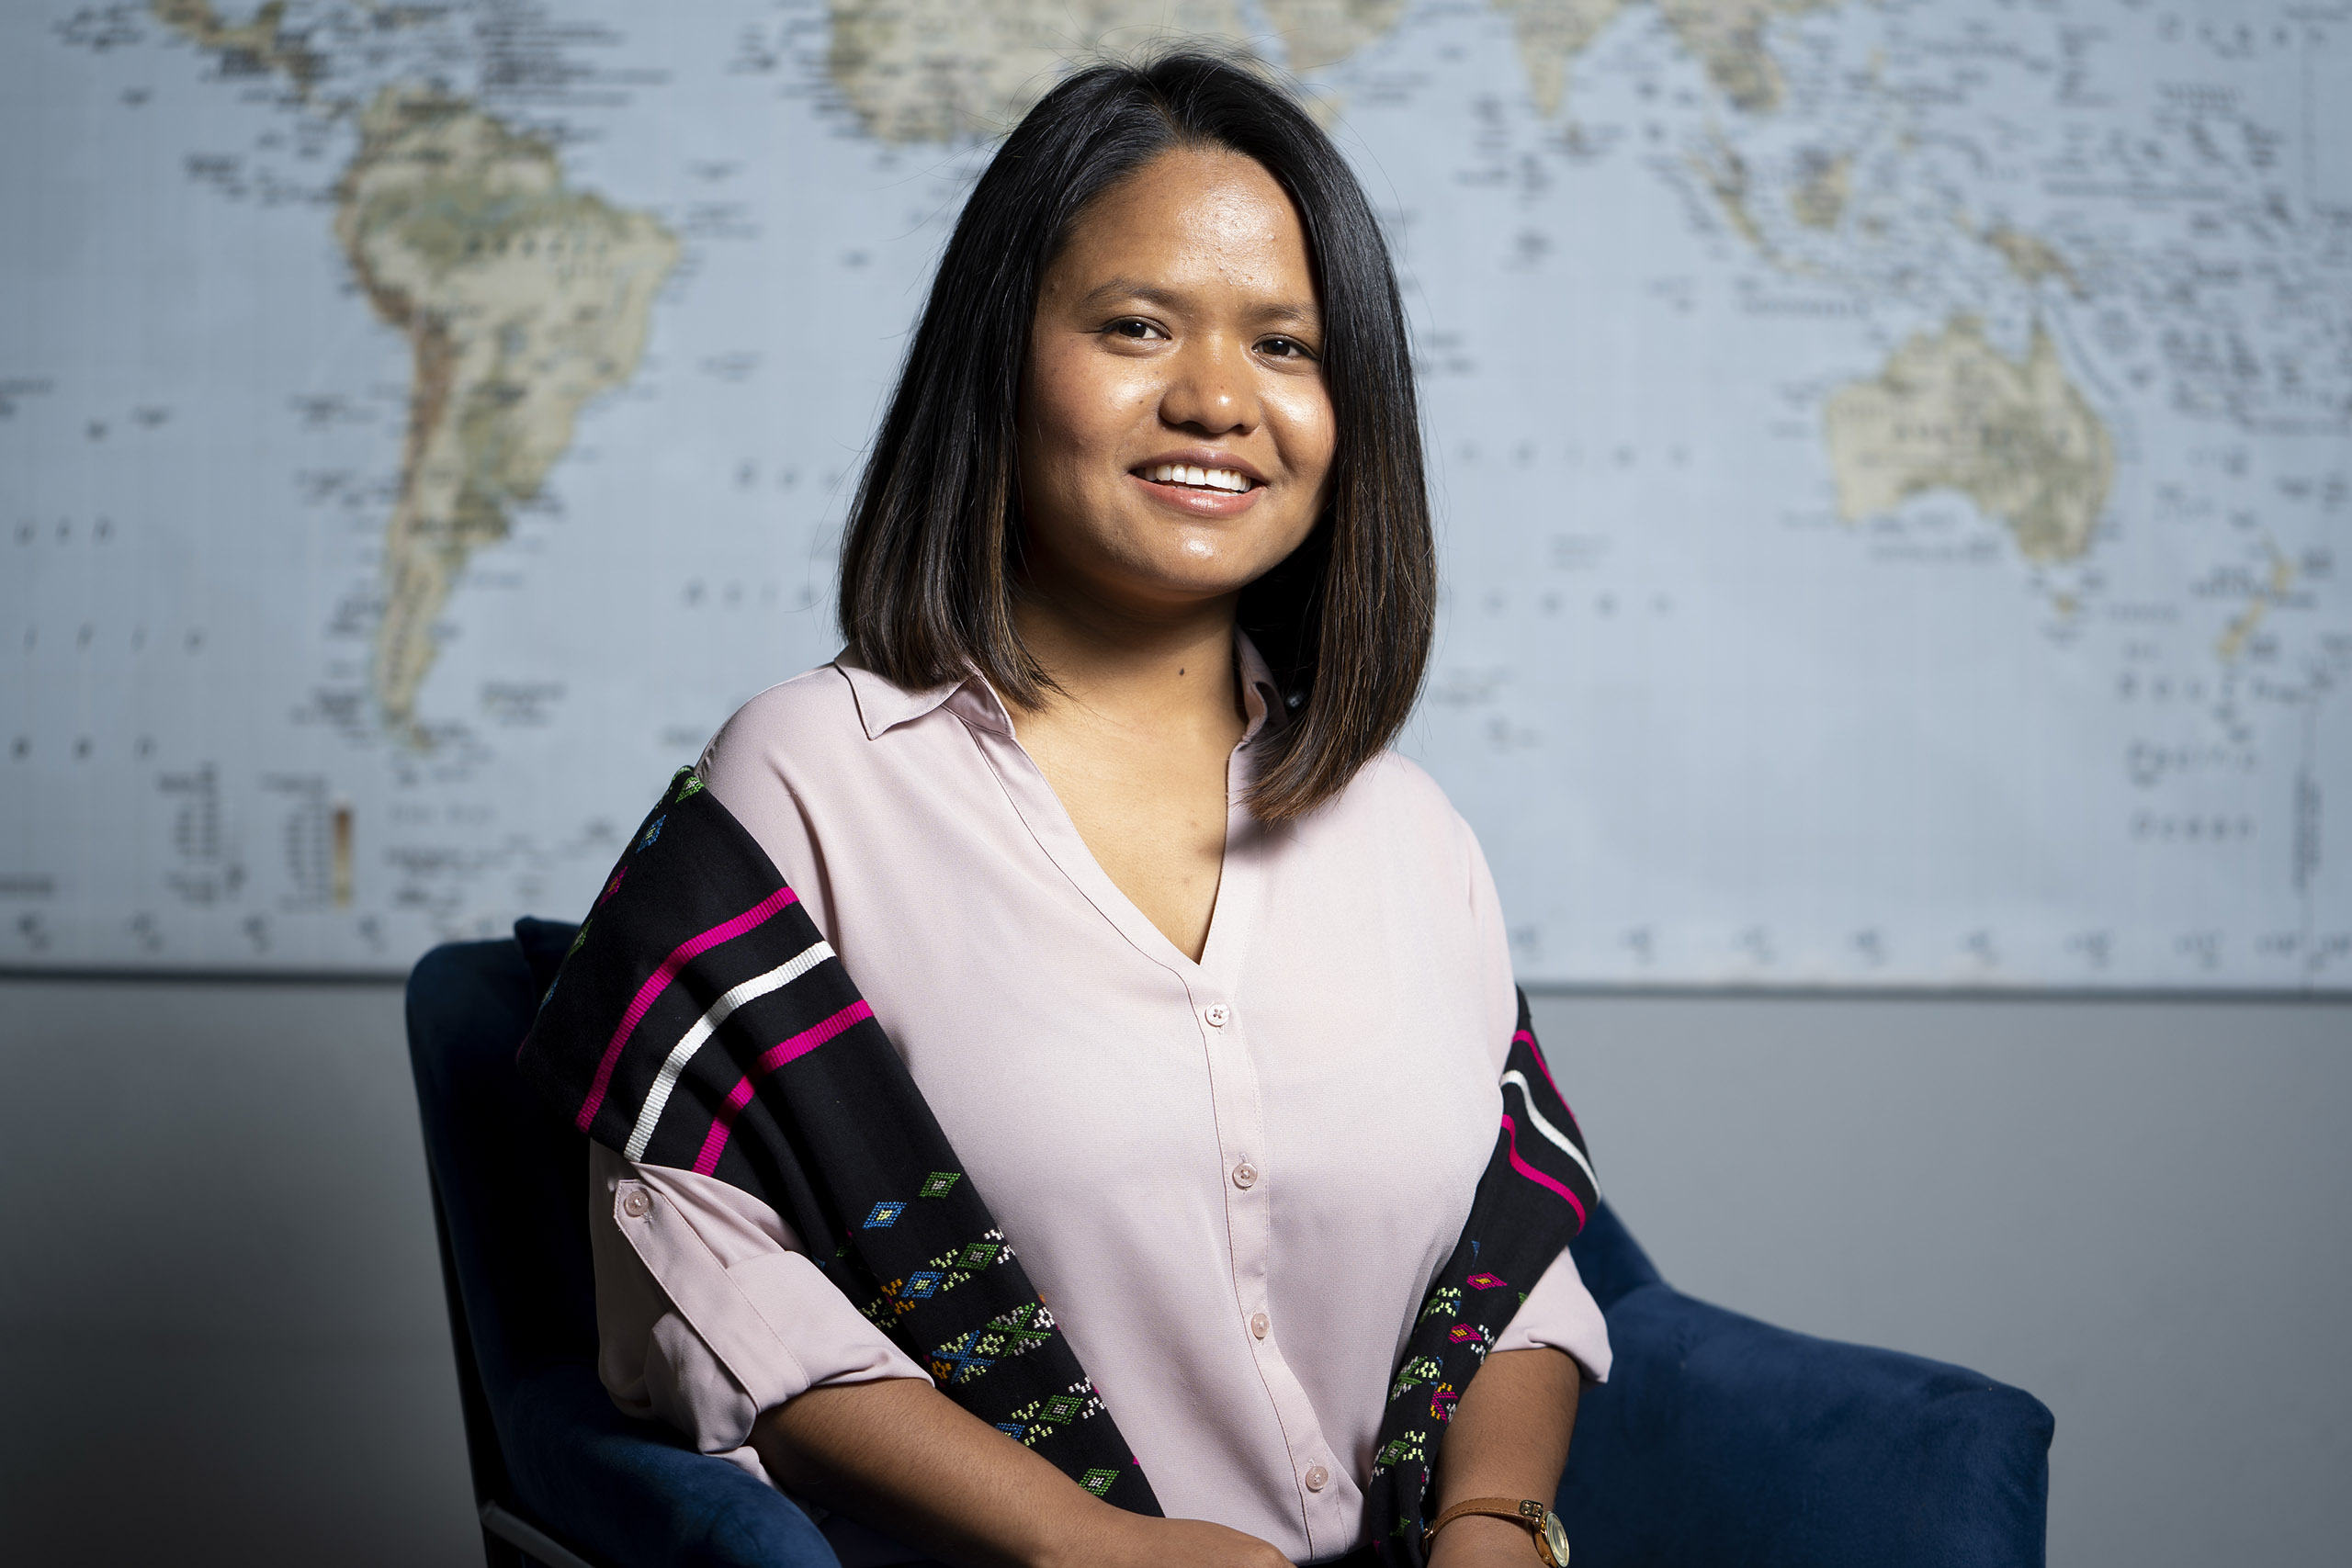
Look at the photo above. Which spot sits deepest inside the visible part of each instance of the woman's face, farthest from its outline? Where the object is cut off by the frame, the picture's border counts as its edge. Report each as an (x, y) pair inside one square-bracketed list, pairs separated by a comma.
[(1176, 433)]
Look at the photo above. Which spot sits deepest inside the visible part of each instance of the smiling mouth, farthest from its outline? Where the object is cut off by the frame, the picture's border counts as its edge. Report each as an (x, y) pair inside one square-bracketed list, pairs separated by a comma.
[(1222, 481)]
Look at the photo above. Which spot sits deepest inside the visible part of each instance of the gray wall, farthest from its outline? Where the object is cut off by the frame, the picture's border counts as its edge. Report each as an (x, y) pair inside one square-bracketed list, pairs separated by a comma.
[(2140, 1213), (222, 1293)]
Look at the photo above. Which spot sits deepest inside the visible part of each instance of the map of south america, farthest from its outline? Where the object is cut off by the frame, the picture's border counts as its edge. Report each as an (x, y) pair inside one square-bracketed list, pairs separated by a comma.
[(521, 301)]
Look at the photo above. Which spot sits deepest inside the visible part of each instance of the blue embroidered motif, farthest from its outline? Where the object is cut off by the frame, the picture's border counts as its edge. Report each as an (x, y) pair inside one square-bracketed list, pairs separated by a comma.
[(885, 1214)]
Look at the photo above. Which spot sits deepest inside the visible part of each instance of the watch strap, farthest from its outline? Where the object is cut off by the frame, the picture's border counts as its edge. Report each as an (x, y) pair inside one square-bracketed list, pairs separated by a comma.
[(1519, 1511)]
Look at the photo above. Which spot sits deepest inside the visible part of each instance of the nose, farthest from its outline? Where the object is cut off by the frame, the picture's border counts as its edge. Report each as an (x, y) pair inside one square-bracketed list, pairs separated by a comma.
[(1210, 389)]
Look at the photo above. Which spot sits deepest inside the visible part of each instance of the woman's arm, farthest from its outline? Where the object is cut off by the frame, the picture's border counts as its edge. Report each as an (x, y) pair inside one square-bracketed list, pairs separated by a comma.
[(1508, 1438), (902, 1455)]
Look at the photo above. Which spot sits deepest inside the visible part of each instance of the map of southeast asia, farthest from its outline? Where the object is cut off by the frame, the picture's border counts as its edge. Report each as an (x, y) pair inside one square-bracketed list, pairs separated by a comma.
[(1891, 456)]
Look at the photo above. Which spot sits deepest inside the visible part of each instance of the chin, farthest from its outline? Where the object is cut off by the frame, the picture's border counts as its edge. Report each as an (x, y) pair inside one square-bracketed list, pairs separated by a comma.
[(1191, 587)]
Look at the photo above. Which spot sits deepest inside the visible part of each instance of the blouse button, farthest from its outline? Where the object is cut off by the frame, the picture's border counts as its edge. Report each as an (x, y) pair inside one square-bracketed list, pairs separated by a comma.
[(1216, 1013), (1258, 1324), (1318, 1478), (636, 1203), (1245, 1176)]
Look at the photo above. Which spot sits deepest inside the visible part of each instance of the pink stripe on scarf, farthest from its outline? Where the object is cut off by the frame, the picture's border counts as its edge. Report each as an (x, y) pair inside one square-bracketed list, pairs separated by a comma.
[(1542, 1066), (1545, 1068), (659, 981), (714, 1143), (1510, 1129)]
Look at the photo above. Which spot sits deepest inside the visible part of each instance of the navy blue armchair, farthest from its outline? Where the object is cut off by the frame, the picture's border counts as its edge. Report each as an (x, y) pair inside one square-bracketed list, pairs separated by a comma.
[(1718, 1440)]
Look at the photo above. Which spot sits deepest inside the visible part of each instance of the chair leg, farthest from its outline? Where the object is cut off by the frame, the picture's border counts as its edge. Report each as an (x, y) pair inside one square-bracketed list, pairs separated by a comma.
[(524, 1545)]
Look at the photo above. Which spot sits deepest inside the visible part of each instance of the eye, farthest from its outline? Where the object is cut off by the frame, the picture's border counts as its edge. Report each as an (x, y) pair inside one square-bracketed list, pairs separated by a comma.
[(1133, 329), (1284, 348)]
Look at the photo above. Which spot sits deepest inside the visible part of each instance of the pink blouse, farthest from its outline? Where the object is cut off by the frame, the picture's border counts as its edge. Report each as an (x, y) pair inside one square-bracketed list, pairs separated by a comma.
[(1232, 1180)]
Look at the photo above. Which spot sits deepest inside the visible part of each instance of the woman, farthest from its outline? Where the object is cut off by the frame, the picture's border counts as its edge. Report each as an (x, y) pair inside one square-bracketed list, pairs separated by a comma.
[(1208, 989)]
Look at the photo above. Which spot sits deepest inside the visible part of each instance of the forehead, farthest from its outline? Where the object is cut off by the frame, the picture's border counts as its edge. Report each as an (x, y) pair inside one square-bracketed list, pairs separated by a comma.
[(1190, 215)]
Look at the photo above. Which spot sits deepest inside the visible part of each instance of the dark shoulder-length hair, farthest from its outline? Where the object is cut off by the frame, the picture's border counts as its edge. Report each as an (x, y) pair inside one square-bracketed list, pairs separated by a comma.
[(932, 558)]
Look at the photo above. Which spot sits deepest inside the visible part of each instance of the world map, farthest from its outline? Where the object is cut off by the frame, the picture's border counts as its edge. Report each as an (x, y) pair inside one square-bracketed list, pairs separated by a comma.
[(1889, 454)]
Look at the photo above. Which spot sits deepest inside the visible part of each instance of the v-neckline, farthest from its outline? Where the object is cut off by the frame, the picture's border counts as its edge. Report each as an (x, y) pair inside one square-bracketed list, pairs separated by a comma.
[(1232, 912), (1232, 909)]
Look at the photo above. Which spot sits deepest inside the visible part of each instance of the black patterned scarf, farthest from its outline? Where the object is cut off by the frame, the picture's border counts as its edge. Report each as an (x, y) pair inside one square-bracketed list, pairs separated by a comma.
[(700, 1021)]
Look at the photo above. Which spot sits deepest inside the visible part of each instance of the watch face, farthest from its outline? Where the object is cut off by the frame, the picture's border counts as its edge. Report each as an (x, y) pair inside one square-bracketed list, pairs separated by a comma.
[(1555, 1541)]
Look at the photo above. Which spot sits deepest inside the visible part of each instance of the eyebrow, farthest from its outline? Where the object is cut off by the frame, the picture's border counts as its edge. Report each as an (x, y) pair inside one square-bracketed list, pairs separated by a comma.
[(1161, 298)]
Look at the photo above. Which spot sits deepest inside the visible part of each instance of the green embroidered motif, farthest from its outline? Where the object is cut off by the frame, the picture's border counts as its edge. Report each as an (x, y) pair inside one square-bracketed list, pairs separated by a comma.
[(939, 1184), (687, 784), (938, 1277), (1405, 1449), (1098, 1481), (1420, 1368), (1445, 1303), (1041, 1418), (1000, 1338)]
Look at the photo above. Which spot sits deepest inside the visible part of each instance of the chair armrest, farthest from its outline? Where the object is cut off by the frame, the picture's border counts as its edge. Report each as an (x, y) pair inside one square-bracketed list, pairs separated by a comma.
[(1720, 1439), (633, 1494)]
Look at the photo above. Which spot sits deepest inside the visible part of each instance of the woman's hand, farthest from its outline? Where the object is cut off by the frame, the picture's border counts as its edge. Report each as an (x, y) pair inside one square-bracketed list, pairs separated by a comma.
[(901, 1455)]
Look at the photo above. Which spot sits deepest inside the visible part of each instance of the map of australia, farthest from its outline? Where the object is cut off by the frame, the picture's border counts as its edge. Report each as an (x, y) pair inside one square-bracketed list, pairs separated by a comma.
[(1953, 413)]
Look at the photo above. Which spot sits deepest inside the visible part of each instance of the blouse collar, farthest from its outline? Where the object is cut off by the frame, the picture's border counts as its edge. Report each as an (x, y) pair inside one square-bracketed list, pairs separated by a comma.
[(883, 704)]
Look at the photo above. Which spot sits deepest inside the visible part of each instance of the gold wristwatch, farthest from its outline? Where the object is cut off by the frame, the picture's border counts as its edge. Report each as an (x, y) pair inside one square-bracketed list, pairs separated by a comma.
[(1550, 1540)]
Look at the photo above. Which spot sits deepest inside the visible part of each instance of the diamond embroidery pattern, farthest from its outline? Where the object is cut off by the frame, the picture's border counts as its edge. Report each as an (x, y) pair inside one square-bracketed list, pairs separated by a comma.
[(1041, 1418), (973, 1352)]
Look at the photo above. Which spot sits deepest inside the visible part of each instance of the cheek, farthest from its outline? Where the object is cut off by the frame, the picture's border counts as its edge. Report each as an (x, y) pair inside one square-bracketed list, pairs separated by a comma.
[(1306, 429), (1080, 407)]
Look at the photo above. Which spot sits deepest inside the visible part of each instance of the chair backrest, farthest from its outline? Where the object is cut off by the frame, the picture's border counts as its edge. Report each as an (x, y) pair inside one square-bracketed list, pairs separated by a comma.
[(510, 1181)]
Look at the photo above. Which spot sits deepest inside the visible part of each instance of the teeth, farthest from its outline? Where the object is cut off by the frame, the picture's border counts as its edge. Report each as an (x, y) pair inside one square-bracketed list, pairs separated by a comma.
[(1199, 478)]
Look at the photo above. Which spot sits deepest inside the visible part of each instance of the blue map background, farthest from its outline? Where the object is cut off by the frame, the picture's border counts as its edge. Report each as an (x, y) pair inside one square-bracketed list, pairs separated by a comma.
[(1892, 459)]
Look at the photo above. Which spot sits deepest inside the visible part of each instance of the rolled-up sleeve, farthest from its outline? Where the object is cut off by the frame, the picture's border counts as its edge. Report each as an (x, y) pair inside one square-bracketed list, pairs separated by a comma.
[(708, 1311), (1561, 1313)]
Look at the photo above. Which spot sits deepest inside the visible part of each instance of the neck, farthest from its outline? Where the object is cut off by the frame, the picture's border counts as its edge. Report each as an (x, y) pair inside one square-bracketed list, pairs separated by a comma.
[(1140, 671)]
